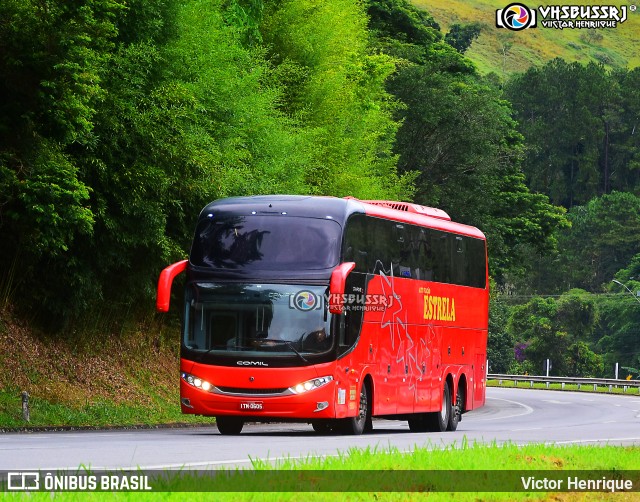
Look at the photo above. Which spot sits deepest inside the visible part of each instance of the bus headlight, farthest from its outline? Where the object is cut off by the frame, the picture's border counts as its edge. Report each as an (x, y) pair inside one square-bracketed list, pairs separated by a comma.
[(196, 382), (316, 383)]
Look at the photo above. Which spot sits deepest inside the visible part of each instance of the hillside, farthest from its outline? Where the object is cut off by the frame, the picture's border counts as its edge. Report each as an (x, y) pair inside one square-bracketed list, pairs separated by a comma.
[(123, 378), (617, 48)]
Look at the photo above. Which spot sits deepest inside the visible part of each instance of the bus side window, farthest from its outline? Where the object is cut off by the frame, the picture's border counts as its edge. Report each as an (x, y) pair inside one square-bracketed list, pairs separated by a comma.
[(441, 257), (353, 315), (458, 256), (403, 250), (356, 243)]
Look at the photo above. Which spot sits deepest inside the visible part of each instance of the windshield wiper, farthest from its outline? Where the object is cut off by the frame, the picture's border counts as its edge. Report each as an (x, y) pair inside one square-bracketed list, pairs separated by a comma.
[(287, 343)]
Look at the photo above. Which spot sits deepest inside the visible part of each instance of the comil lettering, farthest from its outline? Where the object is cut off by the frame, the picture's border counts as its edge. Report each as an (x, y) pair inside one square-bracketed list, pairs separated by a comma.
[(439, 308)]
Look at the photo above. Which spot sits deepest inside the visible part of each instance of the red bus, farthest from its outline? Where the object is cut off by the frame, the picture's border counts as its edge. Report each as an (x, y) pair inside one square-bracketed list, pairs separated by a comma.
[(331, 311)]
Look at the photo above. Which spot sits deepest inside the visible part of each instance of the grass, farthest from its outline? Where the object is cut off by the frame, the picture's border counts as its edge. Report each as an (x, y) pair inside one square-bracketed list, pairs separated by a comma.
[(127, 378), (617, 48), (476, 472)]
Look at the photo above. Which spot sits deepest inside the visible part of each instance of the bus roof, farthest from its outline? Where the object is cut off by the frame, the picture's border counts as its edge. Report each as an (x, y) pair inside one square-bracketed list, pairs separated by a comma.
[(339, 209)]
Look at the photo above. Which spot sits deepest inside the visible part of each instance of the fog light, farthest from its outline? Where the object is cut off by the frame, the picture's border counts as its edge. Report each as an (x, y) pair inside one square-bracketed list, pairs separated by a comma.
[(323, 405)]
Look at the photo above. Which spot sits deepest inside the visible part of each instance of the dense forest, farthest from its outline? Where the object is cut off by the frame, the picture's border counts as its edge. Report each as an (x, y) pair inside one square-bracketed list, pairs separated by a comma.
[(120, 120)]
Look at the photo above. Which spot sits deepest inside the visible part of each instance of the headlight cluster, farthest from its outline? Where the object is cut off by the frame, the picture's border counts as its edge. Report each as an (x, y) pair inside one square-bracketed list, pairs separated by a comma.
[(198, 383), (310, 385)]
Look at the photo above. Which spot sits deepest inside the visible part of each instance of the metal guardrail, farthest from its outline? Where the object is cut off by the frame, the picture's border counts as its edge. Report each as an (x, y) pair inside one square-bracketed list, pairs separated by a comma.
[(611, 383)]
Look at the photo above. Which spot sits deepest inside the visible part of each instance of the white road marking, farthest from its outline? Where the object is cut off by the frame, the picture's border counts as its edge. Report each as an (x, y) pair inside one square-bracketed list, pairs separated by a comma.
[(602, 440), (527, 410)]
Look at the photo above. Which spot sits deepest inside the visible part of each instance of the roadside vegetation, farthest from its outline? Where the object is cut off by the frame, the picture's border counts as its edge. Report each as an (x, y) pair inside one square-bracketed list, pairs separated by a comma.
[(601, 389), (126, 379)]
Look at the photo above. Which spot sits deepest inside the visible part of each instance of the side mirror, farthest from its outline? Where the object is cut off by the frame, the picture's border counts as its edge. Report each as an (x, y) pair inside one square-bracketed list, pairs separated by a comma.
[(165, 281), (336, 286)]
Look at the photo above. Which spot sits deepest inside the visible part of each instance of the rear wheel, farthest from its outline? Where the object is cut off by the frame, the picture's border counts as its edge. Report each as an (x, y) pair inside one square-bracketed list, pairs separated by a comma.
[(229, 426), (456, 410), (438, 421)]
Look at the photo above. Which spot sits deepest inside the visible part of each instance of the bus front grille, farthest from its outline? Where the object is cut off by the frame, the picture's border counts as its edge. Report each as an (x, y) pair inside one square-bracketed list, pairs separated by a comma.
[(252, 392)]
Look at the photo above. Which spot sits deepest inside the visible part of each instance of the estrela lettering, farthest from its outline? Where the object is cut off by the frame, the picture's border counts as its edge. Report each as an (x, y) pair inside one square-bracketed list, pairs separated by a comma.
[(439, 308)]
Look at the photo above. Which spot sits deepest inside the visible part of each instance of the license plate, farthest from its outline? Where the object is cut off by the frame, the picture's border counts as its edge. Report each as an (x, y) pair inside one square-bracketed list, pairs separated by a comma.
[(251, 406)]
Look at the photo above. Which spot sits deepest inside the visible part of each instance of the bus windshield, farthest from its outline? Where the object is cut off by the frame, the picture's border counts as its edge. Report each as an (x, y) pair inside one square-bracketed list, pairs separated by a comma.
[(256, 319), (261, 242)]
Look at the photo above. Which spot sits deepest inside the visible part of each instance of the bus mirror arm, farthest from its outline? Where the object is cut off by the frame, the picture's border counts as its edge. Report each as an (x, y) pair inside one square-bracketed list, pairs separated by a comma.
[(337, 285), (164, 284)]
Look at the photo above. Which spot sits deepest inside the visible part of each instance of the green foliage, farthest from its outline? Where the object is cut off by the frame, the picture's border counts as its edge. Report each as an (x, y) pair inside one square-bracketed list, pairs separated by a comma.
[(618, 332), (246, 16), (335, 92), (605, 235), (124, 119), (51, 68), (399, 19), (578, 122), (461, 36), (457, 134), (559, 330), (500, 343)]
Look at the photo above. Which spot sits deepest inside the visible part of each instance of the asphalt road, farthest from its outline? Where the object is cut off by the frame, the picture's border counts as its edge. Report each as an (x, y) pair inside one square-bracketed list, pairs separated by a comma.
[(517, 415)]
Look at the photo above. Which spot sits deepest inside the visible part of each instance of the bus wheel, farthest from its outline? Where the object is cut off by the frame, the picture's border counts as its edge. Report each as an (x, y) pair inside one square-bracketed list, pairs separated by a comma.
[(229, 426), (456, 410), (356, 425), (439, 420)]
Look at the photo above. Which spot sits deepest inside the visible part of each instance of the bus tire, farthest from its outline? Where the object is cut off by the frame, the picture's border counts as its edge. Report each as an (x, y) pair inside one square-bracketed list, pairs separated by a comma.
[(357, 425), (456, 410), (229, 426), (438, 421)]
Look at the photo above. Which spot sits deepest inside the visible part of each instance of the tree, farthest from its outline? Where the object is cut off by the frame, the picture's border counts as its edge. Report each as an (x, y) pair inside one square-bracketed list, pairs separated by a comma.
[(603, 238), (53, 59), (400, 20), (457, 134), (559, 330), (124, 119), (500, 342), (461, 36), (618, 332), (335, 92), (578, 122)]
